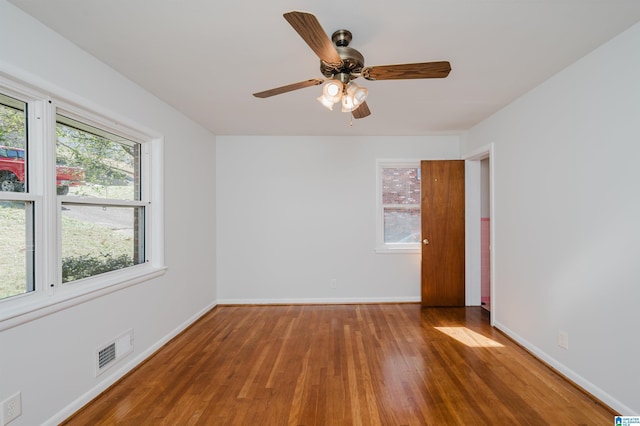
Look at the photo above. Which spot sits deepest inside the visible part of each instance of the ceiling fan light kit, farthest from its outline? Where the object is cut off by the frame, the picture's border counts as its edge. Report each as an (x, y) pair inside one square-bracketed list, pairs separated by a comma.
[(341, 64), (350, 95)]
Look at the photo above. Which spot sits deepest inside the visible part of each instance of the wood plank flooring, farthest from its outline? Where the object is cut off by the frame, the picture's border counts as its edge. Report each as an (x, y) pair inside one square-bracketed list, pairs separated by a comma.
[(342, 365)]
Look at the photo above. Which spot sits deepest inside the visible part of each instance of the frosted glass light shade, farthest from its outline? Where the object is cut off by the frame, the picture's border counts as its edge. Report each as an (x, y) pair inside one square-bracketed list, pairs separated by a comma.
[(332, 88), (347, 103), (331, 93), (327, 103), (359, 93), (355, 96)]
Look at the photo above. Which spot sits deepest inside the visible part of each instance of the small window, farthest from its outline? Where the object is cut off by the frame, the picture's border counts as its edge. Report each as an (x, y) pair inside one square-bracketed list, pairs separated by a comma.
[(399, 216)]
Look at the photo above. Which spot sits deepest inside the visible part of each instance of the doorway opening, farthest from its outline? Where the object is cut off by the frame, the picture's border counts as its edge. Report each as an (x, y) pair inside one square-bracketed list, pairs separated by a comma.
[(480, 224)]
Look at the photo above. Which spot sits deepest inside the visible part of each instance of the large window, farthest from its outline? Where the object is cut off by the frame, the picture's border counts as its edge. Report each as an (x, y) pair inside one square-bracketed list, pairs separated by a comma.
[(76, 194), (102, 224), (398, 195), (16, 215)]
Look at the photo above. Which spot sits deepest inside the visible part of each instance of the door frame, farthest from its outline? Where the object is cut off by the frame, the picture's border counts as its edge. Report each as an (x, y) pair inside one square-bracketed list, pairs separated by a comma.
[(473, 195)]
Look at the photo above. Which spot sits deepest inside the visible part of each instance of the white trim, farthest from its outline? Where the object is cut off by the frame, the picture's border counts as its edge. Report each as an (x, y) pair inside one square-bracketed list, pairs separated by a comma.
[(100, 121), (472, 256), (18, 196), (113, 202), (50, 262), (479, 153), (116, 375), (594, 390), (19, 89), (492, 233), (32, 306), (472, 217), (399, 250), (154, 151), (320, 301)]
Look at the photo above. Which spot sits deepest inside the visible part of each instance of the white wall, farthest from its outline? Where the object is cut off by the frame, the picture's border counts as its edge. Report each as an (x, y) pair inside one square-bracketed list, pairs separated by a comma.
[(567, 219), (485, 188), (51, 360), (296, 212)]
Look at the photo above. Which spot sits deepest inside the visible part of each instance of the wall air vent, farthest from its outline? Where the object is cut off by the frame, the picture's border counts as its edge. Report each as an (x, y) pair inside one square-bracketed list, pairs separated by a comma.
[(107, 354)]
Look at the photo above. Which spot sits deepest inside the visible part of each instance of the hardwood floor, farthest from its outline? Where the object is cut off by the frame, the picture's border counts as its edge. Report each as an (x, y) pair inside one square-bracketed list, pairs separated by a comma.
[(342, 365)]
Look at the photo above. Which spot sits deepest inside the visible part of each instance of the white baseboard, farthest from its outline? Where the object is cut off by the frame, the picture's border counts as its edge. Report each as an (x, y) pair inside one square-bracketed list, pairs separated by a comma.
[(322, 301), (117, 374), (594, 390)]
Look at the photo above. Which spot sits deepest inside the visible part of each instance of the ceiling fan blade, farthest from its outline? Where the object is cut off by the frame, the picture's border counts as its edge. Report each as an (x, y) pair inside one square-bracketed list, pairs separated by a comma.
[(362, 111), (312, 33), (289, 88), (407, 71)]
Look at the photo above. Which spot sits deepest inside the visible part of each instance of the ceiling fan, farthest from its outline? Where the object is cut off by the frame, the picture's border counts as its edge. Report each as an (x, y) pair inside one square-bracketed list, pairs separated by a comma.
[(341, 64)]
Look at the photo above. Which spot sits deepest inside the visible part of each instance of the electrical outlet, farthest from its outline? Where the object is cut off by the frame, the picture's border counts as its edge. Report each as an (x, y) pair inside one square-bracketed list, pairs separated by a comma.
[(333, 283), (563, 339), (11, 408)]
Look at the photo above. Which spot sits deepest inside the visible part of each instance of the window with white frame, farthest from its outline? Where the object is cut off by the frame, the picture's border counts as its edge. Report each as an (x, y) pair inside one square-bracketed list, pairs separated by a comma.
[(398, 206), (103, 213), (16, 213), (76, 212)]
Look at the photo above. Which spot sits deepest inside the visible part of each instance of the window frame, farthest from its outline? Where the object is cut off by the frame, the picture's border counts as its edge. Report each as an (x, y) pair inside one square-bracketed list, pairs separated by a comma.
[(50, 294), (381, 246), (89, 120)]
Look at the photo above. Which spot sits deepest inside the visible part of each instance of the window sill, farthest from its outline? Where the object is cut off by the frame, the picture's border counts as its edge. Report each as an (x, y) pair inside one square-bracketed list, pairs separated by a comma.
[(29, 307), (387, 250)]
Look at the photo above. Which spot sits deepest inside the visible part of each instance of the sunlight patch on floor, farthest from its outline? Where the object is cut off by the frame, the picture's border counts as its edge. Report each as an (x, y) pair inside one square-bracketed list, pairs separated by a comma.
[(469, 337)]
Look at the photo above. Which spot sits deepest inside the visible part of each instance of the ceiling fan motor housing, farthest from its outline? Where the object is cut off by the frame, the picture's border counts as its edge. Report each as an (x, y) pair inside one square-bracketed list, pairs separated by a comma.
[(352, 60)]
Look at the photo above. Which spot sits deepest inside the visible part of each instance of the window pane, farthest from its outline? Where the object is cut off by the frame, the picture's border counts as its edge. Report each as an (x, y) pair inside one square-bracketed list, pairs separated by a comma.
[(94, 163), (13, 143), (401, 225), (16, 248), (400, 186), (98, 239)]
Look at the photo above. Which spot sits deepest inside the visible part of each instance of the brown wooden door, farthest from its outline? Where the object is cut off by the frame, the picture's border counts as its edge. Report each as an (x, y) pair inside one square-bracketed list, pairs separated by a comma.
[(442, 206)]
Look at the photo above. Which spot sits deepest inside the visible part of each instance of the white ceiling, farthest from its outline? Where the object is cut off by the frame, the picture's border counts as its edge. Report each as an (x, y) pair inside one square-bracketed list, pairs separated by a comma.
[(206, 57)]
